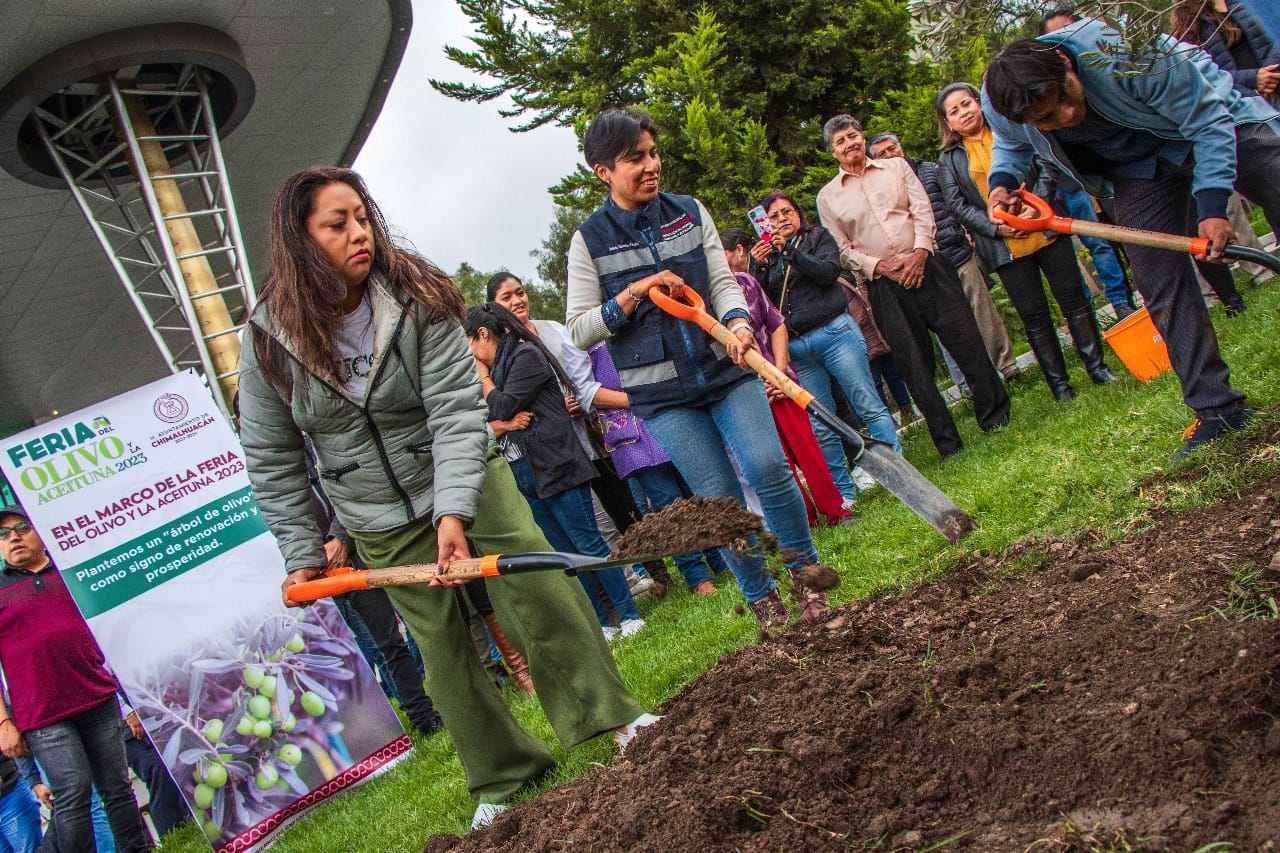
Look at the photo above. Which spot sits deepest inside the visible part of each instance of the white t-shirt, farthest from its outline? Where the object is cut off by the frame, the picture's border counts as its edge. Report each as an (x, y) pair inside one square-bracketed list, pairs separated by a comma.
[(353, 351)]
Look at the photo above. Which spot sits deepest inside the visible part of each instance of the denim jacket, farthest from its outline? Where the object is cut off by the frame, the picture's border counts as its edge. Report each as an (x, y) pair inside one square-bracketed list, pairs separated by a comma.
[(1183, 95)]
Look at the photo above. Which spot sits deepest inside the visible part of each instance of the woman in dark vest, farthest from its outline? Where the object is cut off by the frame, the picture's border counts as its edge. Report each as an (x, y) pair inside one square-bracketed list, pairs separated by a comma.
[(691, 391)]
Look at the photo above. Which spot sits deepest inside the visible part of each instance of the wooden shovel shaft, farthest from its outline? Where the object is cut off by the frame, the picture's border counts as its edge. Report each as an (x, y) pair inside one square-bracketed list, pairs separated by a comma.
[(890, 469), (338, 581), (1155, 239), (761, 365)]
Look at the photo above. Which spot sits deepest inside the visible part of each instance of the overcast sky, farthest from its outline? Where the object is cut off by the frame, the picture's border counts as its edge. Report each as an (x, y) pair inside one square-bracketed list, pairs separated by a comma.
[(449, 175)]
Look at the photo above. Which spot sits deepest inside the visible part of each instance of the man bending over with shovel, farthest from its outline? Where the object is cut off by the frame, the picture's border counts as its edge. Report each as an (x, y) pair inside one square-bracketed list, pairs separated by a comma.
[(1173, 137)]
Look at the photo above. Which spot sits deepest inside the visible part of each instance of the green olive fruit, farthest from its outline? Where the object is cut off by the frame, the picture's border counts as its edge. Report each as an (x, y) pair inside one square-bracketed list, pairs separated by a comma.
[(268, 687), (312, 704), (260, 707), (211, 830), (215, 775), (213, 730), (290, 753), (295, 644), (262, 729), (266, 777), (245, 726), (253, 677), (203, 796), (288, 723)]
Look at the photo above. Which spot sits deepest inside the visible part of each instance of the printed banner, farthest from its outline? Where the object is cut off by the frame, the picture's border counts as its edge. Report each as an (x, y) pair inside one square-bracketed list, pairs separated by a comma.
[(145, 508)]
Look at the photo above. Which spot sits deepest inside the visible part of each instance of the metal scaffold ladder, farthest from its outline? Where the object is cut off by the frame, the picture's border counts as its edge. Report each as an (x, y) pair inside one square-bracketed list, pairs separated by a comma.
[(143, 160)]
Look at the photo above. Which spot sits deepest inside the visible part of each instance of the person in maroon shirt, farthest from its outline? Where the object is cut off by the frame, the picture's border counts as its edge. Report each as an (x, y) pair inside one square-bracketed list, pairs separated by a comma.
[(64, 708)]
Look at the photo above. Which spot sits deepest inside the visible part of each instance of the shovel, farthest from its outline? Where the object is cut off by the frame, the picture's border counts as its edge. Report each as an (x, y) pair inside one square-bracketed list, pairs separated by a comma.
[(877, 458), (336, 581), (1046, 220)]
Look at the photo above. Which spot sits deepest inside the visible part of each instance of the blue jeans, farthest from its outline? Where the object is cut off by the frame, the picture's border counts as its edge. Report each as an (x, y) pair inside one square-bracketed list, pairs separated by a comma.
[(1079, 205), (838, 351), (695, 439), (885, 372), (104, 841), (568, 520), (79, 754), (19, 820), (658, 487)]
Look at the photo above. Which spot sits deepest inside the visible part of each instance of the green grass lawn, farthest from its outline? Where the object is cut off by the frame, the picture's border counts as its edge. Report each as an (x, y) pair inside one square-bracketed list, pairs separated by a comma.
[(1055, 470)]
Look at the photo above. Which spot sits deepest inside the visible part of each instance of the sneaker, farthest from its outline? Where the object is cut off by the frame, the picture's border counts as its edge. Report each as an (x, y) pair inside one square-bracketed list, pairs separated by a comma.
[(623, 735), (485, 813), (704, 588), (1236, 307), (1122, 309), (640, 586), (630, 627), (863, 480), (1202, 431), (847, 504), (610, 633)]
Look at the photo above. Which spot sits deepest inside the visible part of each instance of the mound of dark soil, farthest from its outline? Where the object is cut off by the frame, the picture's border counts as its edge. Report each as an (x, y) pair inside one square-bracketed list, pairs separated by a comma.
[(1099, 702)]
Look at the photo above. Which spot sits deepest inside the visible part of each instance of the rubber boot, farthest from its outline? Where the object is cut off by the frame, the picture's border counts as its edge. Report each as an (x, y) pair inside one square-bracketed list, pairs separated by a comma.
[(1083, 325), (771, 613), (812, 603), (515, 661), (1048, 352)]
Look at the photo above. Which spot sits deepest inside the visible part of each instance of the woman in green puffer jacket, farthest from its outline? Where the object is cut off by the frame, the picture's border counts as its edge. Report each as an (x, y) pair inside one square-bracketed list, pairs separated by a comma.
[(359, 344)]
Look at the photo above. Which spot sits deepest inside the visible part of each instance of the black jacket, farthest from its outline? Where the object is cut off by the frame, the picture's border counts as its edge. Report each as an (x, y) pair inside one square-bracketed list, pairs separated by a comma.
[(967, 206), (953, 243), (526, 381), (1264, 50), (808, 266)]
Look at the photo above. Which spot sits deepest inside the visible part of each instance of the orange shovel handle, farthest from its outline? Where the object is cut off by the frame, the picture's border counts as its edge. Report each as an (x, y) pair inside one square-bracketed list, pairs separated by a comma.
[(689, 306), (1046, 220)]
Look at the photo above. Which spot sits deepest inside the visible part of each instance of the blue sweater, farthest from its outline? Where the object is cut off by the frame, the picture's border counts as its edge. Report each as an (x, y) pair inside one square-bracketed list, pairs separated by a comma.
[(1184, 96)]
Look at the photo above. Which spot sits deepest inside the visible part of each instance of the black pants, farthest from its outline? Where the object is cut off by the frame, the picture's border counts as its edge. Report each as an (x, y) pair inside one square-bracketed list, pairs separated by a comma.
[(1167, 280), (167, 808), (906, 317), (1021, 280), (375, 610)]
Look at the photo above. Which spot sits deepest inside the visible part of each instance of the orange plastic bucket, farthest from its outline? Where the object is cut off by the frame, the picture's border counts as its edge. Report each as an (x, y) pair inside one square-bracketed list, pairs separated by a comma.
[(1136, 341)]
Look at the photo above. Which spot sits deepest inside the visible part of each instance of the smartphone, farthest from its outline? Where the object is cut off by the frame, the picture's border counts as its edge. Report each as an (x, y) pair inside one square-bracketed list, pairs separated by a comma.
[(760, 222)]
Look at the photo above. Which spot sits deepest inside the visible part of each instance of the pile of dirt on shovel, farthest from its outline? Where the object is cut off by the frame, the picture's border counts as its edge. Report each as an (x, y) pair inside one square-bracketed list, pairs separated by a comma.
[(695, 524), (1110, 699)]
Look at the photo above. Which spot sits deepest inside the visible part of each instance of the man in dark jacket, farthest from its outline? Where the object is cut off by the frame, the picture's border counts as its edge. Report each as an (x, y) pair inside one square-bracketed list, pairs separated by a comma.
[(954, 246), (799, 268)]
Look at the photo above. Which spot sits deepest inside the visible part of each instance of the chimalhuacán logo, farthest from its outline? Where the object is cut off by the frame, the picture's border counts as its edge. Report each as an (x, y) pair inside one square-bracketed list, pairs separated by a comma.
[(58, 463)]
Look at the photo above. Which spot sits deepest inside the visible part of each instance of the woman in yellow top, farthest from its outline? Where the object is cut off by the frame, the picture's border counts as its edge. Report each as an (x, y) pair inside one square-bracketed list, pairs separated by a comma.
[(1016, 257)]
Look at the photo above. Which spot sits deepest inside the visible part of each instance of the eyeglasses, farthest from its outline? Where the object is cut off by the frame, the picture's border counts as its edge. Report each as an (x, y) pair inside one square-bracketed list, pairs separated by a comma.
[(781, 212), (21, 527)]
